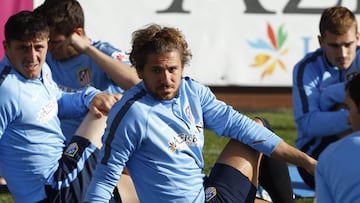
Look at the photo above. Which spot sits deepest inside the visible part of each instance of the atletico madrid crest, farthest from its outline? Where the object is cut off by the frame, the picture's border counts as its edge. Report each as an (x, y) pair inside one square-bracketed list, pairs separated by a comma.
[(84, 76)]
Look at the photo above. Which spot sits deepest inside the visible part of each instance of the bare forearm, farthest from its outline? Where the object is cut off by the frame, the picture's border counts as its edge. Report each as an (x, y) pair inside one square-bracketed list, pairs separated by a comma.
[(290, 154), (122, 74)]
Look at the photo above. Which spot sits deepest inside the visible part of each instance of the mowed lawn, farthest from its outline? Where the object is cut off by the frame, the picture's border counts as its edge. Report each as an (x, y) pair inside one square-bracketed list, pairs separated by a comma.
[(281, 121)]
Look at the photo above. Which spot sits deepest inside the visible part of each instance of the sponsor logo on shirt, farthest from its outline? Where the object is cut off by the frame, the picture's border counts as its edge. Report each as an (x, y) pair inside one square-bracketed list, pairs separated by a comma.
[(182, 141), (48, 111), (69, 89)]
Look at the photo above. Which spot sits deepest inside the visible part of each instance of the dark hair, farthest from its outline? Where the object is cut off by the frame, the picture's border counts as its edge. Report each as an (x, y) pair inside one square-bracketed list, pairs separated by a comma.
[(25, 25), (64, 16), (352, 88), (155, 39), (337, 20)]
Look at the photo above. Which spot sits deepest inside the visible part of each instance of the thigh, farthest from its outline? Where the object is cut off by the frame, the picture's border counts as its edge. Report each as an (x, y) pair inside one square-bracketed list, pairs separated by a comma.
[(243, 158), (127, 189), (76, 167)]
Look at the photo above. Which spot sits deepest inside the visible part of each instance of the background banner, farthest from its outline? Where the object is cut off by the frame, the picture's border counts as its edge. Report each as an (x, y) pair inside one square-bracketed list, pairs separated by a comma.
[(8, 8), (234, 42)]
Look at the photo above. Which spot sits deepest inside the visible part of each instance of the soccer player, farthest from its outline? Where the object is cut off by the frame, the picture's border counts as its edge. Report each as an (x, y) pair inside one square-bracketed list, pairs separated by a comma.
[(34, 158), (336, 176), (76, 61), (157, 130), (318, 84)]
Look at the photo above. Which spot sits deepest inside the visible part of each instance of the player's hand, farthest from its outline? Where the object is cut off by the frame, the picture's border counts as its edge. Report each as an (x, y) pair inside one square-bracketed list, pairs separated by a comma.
[(79, 43), (101, 104), (63, 49)]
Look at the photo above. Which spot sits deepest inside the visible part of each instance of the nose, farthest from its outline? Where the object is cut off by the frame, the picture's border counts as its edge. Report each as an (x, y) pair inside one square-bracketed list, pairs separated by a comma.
[(165, 76), (343, 51), (32, 53)]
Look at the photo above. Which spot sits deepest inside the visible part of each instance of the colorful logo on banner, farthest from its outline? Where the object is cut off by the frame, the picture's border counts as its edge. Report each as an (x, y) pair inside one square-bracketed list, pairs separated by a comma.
[(274, 47)]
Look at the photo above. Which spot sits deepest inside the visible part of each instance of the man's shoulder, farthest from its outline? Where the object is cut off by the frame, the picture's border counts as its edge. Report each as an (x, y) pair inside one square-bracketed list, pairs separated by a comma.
[(192, 85), (4, 72), (346, 144), (8, 78), (312, 57), (312, 61)]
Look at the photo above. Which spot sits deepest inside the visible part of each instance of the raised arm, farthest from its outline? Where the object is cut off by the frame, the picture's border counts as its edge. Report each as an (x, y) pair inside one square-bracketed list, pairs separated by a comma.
[(122, 74)]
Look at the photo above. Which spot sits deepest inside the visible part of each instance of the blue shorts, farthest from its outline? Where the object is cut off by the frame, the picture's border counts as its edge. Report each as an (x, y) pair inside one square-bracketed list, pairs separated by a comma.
[(226, 184), (73, 176)]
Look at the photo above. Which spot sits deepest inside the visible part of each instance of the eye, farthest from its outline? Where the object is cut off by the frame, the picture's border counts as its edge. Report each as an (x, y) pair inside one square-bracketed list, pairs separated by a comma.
[(24, 48), (156, 70), (39, 47), (54, 42), (334, 45), (172, 69), (348, 44)]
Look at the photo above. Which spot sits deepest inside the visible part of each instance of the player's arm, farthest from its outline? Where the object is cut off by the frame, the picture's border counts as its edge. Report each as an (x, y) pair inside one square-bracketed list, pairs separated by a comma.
[(332, 97), (122, 74)]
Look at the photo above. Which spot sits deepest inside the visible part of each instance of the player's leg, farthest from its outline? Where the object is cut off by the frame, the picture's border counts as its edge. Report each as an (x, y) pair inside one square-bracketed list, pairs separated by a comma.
[(243, 158), (234, 175), (274, 175), (306, 176), (93, 128), (275, 179), (127, 190)]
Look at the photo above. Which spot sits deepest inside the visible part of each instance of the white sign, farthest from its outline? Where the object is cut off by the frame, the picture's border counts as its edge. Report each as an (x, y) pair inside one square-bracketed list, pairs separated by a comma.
[(234, 42)]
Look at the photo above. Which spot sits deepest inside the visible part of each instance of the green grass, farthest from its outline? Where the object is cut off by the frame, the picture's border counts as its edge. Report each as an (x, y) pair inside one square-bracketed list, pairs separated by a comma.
[(281, 121), (5, 196)]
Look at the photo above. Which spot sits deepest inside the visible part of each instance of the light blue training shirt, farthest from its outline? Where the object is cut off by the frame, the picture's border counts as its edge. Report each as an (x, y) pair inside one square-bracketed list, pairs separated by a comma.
[(161, 142)]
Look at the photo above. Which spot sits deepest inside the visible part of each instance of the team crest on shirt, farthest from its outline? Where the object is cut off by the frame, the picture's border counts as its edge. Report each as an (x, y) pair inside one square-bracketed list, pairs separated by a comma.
[(210, 192), (351, 75), (84, 76), (72, 149)]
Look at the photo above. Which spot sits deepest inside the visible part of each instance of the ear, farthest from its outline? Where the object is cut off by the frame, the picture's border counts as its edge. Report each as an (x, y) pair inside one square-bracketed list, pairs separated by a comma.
[(320, 40), (80, 31), (4, 44), (139, 73)]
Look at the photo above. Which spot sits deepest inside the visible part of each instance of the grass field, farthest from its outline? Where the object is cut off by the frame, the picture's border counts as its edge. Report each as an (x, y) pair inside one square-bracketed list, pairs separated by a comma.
[(281, 121)]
